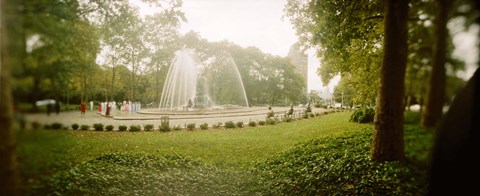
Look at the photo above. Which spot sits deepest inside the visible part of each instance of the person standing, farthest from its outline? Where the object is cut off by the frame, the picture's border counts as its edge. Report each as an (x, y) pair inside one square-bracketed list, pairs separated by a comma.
[(83, 107), (91, 105), (57, 107)]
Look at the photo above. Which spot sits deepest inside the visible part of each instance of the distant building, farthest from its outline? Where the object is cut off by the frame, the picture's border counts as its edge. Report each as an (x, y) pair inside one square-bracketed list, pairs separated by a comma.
[(300, 60)]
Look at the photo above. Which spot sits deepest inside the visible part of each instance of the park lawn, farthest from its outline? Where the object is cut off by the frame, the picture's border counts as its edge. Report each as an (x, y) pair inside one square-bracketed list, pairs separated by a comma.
[(215, 161), (232, 147)]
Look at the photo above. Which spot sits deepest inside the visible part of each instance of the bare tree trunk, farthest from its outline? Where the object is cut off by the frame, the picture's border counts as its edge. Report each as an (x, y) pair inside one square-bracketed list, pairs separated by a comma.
[(9, 177), (388, 144), (436, 88)]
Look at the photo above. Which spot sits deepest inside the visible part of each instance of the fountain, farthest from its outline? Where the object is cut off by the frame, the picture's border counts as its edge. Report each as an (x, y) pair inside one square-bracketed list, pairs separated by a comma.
[(192, 86)]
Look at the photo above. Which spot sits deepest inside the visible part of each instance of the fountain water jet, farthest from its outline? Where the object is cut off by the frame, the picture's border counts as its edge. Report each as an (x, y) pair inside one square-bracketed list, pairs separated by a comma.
[(192, 86)]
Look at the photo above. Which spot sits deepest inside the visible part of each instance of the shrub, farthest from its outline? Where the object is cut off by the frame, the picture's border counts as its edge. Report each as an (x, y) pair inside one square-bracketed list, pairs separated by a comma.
[(261, 122), (306, 115), (363, 115), (85, 127), (252, 123), (229, 124), (216, 126), (148, 127), (240, 124), (75, 126), (190, 126), (271, 121), (36, 125), (122, 128), (204, 126), (177, 128), (287, 119), (47, 126), (56, 126), (109, 127), (135, 128), (166, 127), (98, 127)]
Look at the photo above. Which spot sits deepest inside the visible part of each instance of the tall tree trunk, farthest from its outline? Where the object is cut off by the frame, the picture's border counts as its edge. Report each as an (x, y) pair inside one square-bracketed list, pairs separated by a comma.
[(388, 144), (436, 88), (9, 177)]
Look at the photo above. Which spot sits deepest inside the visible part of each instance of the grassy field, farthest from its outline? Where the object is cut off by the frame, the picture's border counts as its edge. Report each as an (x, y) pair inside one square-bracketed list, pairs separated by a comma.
[(45, 153)]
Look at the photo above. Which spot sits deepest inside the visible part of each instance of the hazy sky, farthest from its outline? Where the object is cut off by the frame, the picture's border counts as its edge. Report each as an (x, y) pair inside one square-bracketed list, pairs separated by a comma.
[(259, 23), (246, 23)]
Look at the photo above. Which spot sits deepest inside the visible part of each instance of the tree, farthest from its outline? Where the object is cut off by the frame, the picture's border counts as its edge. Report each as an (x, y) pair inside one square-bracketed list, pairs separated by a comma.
[(9, 30), (388, 144), (436, 88)]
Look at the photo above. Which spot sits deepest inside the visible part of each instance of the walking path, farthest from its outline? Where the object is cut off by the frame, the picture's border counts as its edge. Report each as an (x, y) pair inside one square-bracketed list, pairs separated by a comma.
[(133, 118)]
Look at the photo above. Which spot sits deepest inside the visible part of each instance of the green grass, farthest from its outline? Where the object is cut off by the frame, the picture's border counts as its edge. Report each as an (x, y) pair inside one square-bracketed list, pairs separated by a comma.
[(239, 146), (214, 161)]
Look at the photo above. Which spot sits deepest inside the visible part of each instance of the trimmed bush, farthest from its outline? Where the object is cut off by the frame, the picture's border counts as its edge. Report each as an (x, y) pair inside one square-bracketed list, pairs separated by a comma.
[(109, 127), (98, 127), (56, 126), (204, 126), (229, 125), (165, 128), (122, 128), (363, 115), (36, 125), (190, 126), (240, 124), (261, 122), (216, 126), (85, 127), (287, 119), (252, 123), (135, 128), (177, 128), (271, 121), (75, 126), (148, 127)]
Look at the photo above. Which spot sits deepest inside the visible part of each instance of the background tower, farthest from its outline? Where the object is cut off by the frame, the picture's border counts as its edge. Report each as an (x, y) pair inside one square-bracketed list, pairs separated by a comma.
[(300, 60)]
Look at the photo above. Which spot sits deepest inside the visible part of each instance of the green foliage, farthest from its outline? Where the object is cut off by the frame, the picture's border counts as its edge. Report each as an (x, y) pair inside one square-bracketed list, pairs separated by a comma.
[(84, 127), (135, 128), (217, 125), (122, 128), (144, 174), (363, 115), (148, 127), (35, 125), (204, 126), (341, 166), (75, 163), (47, 126), (109, 127), (261, 122), (287, 119), (56, 126), (252, 123), (240, 124), (412, 118), (98, 126), (229, 125), (271, 121), (190, 126), (75, 126), (177, 128), (165, 127)]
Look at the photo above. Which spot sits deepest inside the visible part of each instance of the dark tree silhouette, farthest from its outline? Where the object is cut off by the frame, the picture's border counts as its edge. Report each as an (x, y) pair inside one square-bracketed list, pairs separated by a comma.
[(388, 144)]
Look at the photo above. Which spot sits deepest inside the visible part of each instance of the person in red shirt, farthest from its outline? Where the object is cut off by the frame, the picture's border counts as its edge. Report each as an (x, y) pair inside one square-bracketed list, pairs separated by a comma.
[(83, 107)]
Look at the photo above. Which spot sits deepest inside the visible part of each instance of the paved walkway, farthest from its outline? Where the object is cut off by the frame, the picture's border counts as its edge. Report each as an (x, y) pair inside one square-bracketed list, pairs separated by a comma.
[(129, 118)]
